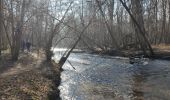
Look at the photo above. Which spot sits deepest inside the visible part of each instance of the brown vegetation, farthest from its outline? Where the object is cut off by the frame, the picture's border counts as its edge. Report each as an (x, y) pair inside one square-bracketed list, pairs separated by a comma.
[(29, 78)]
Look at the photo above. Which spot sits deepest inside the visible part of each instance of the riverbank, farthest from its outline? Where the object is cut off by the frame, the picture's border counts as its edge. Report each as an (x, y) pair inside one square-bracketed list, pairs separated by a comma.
[(30, 78), (160, 52)]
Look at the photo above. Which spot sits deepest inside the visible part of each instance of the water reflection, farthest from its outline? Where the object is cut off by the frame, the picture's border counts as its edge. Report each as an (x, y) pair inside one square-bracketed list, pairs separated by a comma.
[(137, 84), (113, 78)]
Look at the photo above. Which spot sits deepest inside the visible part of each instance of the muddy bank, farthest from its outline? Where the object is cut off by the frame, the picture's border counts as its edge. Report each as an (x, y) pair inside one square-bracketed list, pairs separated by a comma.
[(30, 78), (158, 54)]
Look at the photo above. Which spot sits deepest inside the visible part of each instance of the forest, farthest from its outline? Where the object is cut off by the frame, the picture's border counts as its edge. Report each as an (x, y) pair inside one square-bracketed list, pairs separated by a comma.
[(31, 32)]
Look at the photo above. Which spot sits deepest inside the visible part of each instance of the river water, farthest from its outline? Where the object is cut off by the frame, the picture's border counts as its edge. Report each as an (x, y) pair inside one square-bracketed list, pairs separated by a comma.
[(98, 77)]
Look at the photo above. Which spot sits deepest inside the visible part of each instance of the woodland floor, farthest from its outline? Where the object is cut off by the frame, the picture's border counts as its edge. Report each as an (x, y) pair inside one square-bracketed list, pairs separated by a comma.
[(30, 78)]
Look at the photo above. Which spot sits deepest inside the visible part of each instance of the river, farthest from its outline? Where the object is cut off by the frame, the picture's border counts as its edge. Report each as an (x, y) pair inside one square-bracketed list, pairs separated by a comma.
[(98, 77)]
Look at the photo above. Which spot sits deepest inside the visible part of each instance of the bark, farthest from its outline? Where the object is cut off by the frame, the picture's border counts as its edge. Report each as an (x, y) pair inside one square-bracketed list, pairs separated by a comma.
[(141, 29), (54, 32), (110, 28), (138, 14), (66, 55), (163, 31), (156, 21), (168, 41), (17, 35), (64, 58), (1, 24)]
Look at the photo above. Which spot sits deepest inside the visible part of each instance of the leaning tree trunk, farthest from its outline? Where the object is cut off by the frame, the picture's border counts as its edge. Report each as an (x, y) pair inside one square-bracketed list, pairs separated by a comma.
[(141, 30), (67, 54), (64, 57), (54, 32), (137, 11), (109, 28)]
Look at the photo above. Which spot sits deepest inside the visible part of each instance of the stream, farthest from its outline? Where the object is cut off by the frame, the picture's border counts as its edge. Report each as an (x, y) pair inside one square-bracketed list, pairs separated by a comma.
[(98, 77)]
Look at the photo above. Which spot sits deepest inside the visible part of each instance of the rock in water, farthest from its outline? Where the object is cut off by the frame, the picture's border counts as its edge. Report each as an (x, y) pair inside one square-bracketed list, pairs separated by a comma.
[(138, 60)]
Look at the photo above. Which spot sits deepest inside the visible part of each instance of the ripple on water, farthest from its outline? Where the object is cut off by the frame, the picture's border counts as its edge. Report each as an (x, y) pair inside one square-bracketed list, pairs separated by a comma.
[(108, 78)]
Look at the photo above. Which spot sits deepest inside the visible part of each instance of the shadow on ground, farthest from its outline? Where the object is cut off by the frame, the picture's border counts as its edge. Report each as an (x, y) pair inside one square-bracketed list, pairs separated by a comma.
[(29, 78), (51, 71)]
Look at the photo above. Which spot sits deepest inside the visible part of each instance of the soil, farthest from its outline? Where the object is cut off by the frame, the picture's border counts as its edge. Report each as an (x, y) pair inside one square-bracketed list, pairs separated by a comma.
[(30, 78), (160, 52)]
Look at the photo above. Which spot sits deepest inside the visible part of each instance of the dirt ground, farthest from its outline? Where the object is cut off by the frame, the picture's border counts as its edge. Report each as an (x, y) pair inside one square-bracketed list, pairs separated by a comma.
[(161, 51), (30, 78)]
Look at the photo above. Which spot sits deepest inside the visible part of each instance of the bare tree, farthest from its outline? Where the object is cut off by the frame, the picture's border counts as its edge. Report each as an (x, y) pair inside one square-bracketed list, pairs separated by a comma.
[(53, 32), (110, 28), (17, 32), (1, 24), (140, 26)]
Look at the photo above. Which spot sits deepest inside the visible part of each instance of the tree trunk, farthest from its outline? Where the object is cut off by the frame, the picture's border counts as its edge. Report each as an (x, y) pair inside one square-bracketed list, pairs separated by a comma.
[(163, 31), (48, 51), (1, 25), (141, 29), (110, 29), (16, 37), (54, 32), (64, 58), (137, 11), (168, 37), (66, 55)]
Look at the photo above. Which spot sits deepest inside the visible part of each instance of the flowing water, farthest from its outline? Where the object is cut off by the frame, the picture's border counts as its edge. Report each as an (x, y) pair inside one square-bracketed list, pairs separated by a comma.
[(98, 77)]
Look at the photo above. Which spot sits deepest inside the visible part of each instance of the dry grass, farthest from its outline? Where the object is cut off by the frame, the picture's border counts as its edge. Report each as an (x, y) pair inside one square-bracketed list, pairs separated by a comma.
[(27, 79), (162, 47), (162, 51)]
